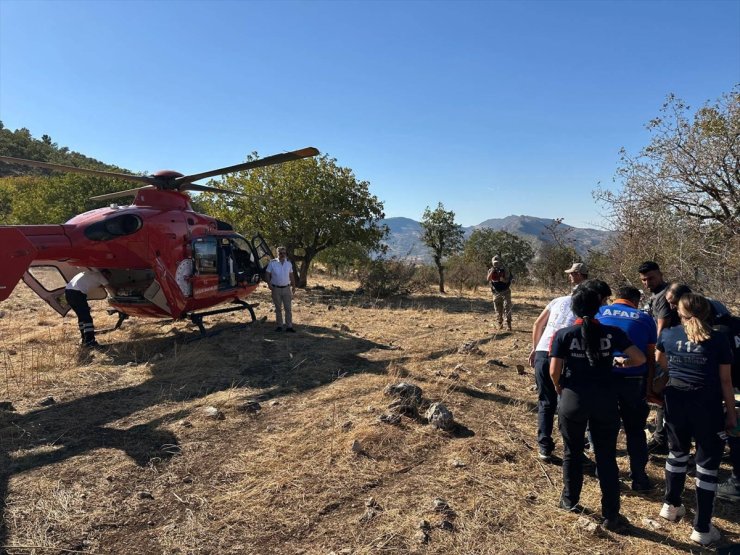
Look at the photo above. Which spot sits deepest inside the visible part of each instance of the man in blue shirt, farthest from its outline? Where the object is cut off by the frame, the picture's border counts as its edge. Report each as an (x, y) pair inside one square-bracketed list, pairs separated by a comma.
[(631, 382)]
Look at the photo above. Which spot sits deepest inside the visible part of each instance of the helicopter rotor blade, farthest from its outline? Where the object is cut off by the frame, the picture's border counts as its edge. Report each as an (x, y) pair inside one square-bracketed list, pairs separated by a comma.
[(196, 187), (72, 169), (268, 161), (119, 194)]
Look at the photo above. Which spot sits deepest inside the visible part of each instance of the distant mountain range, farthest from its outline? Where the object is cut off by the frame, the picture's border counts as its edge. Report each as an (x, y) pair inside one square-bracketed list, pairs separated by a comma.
[(404, 240)]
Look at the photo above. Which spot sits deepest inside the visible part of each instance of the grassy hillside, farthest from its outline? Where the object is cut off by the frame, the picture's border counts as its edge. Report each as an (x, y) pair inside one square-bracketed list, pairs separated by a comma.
[(126, 459), (21, 144)]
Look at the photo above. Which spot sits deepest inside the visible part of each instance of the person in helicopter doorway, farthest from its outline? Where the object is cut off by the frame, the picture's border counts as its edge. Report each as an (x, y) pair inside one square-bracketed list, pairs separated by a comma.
[(500, 279), (281, 281), (76, 294)]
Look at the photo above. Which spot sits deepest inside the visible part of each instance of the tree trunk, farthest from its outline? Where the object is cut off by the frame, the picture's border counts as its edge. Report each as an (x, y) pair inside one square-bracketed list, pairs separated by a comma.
[(441, 271), (300, 265), (302, 277)]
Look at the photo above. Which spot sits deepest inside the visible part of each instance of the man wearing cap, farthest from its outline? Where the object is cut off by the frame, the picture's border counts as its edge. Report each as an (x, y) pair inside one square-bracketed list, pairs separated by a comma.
[(577, 273), (281, 282), (500, 279), (556, 315)]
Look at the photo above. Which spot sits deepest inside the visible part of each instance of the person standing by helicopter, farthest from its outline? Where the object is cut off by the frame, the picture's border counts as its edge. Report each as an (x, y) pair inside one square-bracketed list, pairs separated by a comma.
[(281, 281), (76, 294)]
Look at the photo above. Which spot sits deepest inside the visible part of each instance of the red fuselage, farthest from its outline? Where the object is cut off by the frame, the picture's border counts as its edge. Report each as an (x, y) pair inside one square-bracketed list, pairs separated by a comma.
[(155, 237)]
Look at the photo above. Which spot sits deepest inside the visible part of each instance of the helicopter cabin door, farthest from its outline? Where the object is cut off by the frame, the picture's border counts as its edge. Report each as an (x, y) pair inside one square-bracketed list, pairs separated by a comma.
[(48, 280)]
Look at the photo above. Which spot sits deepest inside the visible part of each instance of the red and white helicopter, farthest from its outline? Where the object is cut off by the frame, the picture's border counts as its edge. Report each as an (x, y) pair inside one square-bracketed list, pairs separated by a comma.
[(165, 259)]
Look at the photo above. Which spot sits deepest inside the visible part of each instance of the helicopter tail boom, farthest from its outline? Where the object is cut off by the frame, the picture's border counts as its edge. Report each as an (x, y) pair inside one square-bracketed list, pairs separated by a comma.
[(15, 257)]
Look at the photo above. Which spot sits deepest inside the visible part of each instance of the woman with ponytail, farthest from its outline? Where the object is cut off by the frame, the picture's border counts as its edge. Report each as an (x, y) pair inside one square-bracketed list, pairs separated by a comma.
[(581, 363), (698, 360)]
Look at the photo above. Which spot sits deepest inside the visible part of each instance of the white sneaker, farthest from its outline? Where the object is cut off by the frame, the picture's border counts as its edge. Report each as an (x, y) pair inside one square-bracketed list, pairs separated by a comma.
[(669, 512), (705, 538)]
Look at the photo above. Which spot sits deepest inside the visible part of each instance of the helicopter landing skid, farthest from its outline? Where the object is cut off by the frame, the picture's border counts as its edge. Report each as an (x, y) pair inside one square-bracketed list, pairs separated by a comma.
[(121, 317), (197, 318)]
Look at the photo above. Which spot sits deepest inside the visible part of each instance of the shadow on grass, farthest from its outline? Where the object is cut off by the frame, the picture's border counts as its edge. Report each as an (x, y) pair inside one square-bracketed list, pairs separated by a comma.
[(279, 364), (450, 303), (655, 537), (497, 398)]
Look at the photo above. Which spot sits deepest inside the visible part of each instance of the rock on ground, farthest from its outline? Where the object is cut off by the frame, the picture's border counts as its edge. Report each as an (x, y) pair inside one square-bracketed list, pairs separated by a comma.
[(440, 416)]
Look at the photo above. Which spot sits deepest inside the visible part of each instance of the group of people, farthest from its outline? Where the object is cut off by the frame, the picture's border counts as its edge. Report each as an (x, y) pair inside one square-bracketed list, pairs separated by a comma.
[(598, 364)]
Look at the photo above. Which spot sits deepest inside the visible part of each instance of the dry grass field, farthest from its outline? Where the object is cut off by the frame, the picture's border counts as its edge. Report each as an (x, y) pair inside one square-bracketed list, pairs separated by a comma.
[(126, 458)]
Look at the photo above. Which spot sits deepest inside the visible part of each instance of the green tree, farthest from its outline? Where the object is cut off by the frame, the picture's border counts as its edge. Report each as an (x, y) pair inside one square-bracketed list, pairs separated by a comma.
[(34, 199), (36, 196), (308, 205), (443, 237), (484, 243)]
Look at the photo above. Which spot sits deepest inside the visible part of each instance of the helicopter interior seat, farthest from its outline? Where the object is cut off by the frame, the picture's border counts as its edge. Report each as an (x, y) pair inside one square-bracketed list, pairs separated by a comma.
[(244, 266)]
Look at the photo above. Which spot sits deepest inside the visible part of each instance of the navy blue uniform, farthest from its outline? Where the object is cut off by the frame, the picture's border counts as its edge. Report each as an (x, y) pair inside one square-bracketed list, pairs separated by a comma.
[(589, 399), (630, 382), (693, 409)]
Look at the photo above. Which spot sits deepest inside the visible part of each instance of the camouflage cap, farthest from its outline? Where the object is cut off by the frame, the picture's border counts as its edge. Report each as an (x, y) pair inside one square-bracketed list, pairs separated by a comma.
[(578, 268)]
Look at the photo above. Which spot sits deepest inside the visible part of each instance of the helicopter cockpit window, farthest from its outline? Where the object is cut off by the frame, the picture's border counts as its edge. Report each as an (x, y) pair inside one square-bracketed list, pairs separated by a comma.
[(117, 226), (205, 252)]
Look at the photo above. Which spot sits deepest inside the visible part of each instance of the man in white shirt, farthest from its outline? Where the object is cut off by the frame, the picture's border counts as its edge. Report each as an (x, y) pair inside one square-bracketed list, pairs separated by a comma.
[(556, 315), (76, 294), (281, 282)]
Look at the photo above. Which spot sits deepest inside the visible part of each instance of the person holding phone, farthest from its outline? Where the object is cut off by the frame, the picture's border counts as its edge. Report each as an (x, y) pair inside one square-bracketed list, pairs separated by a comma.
[(581, 369)]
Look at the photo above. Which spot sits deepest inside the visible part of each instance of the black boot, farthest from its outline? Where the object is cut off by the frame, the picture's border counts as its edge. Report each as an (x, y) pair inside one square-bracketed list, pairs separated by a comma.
[(89, 338)]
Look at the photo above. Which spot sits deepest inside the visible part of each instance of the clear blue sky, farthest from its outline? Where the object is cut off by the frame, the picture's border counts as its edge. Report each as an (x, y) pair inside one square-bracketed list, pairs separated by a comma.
[(493, 108)]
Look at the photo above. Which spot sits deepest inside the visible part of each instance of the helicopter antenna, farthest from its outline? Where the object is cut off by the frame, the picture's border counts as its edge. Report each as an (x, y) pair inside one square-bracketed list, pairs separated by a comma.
[(119, 194)]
